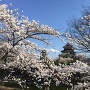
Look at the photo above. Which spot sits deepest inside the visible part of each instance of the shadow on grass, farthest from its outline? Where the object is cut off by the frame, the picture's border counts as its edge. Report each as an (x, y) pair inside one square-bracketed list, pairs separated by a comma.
[(13, 86)]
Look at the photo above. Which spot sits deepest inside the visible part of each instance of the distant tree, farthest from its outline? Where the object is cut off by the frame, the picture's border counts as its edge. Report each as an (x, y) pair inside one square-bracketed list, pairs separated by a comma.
[(16, 31), (79, 31)]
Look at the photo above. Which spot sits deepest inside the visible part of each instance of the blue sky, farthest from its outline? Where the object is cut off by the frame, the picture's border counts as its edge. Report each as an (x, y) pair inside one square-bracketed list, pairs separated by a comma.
[(53, 13)]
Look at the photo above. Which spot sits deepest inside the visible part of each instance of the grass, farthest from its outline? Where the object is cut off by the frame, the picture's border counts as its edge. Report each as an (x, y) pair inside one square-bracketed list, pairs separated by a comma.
[(31, 88), (13, 86), (7, 88)]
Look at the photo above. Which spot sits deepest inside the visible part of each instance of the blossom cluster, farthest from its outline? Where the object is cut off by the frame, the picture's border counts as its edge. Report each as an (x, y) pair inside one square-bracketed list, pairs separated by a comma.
[(18, 55), (44, 73), (79, 32)]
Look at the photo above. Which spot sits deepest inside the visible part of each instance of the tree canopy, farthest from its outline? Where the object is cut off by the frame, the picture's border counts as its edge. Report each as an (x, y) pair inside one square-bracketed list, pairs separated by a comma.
[(18, 54), (16, 31), (79, 31)]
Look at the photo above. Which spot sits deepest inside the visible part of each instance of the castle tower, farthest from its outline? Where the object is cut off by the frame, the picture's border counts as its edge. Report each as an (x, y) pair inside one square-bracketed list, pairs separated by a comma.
[(68, 51)]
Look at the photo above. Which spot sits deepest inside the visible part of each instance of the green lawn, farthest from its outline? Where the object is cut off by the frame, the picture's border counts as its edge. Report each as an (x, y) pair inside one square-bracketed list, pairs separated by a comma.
[(31, 88), (13, 86)]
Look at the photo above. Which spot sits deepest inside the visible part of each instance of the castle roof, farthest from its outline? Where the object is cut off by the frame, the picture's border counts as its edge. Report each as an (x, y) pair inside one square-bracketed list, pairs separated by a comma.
[(68, 48)]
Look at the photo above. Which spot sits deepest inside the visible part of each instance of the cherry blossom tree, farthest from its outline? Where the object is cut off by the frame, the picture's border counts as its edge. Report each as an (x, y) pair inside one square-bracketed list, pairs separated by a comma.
[(18, 53), (79, 31), (16, 31)]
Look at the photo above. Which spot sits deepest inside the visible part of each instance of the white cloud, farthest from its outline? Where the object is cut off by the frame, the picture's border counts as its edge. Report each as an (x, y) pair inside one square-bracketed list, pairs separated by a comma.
[(54, 50)]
